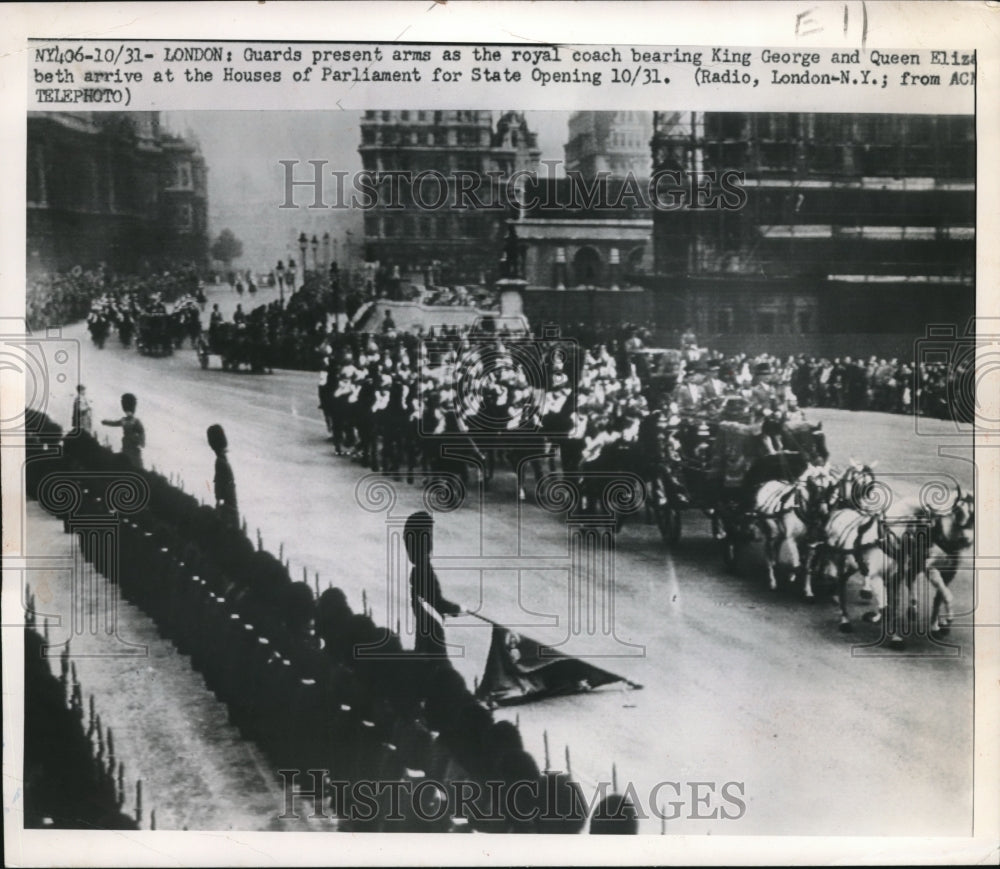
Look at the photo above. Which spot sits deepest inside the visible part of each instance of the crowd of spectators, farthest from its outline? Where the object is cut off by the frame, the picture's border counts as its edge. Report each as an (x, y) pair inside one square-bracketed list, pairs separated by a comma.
[(58, 298), (299, 334)]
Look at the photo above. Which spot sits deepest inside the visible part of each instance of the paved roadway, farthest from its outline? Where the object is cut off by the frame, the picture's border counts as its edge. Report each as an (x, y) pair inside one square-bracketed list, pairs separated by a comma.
[(740, 685)]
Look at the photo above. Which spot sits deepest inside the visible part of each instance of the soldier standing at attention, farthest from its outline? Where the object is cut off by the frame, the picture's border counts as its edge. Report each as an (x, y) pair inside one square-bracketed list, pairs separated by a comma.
[(225, 482), (133, 434), (428, 603)]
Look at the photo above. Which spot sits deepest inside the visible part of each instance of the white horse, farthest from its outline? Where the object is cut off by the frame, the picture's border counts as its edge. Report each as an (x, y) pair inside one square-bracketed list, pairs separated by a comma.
[(951, 536), (855, 542), (790, 518)]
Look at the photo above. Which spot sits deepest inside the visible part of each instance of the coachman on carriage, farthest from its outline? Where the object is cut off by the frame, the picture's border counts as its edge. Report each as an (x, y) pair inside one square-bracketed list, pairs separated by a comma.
[(744, 458), (155, 336)]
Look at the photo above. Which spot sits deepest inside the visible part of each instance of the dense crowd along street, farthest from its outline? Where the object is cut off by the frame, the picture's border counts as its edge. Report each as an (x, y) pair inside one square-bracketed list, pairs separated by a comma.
[(297, 334), (676, 601)]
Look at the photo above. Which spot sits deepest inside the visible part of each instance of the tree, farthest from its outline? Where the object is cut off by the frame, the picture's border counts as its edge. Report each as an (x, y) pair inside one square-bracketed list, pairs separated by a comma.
[(227, 247)]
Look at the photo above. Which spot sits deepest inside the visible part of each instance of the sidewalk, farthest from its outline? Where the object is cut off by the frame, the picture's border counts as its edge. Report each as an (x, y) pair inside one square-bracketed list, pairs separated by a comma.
[(169, 730)]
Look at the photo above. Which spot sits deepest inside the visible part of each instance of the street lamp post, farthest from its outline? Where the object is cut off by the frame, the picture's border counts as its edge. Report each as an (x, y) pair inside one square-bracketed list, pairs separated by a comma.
[(315, 245), (335, 286), (348, 259), (326, 249), (303, 244), (281, 283)]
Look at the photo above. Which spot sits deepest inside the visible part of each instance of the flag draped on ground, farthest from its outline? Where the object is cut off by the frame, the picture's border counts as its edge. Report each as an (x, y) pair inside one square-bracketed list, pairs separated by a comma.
[(520, 669)]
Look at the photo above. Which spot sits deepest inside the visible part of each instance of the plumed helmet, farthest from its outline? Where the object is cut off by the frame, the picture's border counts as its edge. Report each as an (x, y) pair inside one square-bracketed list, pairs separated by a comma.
[(615, 814), (217, 437), (505, 737), (565, 808)]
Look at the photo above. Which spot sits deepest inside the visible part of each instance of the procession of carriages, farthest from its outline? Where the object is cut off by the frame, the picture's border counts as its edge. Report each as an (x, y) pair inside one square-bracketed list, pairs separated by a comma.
[(236, 346)]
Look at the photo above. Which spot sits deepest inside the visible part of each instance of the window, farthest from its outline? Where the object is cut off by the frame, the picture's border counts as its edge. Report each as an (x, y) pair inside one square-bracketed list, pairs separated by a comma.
[(184, 175), (185, 217)]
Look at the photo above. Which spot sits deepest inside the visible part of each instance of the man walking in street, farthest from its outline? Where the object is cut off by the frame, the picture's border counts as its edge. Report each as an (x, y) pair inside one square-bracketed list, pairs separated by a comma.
[(82, 416)]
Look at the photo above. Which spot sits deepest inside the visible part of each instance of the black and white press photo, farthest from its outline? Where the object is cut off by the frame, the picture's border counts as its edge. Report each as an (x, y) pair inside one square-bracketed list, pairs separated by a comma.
[(497, 437)]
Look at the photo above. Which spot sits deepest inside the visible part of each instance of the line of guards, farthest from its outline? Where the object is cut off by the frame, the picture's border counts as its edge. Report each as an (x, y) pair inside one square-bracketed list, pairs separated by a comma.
[(392, 402), (287, 667), (72, 779)]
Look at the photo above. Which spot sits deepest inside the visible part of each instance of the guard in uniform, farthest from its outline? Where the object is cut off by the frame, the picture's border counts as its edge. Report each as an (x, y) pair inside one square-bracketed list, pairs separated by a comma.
[(225, 482), (133, 433), (428, 603)]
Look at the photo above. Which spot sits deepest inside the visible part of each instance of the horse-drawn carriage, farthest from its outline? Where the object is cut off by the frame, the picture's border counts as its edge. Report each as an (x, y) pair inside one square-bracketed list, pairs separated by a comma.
[(713, 464), (155, 334), (236, 345), (744, 458)]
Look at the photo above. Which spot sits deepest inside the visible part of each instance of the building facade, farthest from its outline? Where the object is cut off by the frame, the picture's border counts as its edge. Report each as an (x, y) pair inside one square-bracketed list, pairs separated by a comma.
[(614, 144), (851, 224), (113, 187), (442, 193)]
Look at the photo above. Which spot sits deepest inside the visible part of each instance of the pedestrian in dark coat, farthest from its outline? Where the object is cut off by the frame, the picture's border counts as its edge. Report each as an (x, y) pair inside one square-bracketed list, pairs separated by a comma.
[(82, 419)]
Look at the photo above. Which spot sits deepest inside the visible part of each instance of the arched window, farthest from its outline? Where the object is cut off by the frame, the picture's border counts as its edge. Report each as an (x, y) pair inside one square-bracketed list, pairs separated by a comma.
[(587, 266), (635, 258)]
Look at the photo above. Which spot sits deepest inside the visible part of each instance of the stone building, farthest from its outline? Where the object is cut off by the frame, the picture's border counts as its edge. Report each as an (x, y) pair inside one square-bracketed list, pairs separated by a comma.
[(852, 225), (614, 144), (113, 187), (443, 195)]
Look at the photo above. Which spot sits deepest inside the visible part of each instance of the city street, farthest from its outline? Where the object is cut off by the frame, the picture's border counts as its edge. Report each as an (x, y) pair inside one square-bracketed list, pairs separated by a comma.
[(740, 685)]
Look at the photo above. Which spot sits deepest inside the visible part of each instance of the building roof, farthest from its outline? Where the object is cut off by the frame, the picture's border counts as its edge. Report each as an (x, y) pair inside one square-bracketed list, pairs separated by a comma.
[(555, 229)]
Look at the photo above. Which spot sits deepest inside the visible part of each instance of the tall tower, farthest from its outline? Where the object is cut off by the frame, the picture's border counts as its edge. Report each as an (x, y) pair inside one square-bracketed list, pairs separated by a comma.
[(613, 143)]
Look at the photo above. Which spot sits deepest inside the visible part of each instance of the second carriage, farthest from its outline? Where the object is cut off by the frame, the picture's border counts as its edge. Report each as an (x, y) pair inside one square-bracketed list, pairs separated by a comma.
[(237, 346)]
